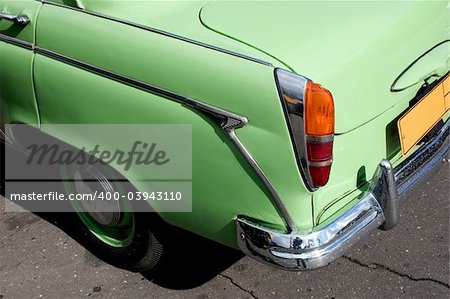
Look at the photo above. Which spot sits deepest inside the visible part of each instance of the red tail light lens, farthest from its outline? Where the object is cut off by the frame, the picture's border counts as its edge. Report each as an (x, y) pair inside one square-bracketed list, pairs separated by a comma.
[(319, 151), (320, 175)]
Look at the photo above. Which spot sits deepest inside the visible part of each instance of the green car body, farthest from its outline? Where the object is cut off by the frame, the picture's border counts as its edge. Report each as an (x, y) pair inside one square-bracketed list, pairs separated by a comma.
[(224, 55)]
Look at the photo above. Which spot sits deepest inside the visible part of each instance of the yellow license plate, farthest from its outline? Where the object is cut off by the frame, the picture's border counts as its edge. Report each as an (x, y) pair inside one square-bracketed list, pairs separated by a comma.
[(424, 115)]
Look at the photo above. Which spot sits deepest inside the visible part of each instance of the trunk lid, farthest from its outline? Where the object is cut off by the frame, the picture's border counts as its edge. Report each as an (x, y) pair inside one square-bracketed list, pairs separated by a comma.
[(354, 48)]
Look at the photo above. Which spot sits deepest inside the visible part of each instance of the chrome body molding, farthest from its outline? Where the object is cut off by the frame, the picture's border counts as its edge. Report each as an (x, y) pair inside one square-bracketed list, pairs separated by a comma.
[(226, 120), (16, 42), (278, 203), (377, 207), (161, 32)]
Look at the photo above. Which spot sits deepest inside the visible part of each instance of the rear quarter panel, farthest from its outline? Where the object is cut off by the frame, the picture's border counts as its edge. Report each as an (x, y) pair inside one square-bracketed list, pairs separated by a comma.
[(223, 184)]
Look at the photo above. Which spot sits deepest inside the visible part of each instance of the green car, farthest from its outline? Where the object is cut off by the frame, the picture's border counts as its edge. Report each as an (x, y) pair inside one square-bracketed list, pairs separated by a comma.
[(310, 120)]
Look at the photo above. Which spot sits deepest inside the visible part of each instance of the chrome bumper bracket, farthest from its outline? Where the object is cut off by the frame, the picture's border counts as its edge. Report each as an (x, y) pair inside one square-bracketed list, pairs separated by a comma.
[(385, 191)]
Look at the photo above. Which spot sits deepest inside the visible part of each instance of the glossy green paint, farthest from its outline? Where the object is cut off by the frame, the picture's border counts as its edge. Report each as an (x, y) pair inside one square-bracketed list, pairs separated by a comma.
[(219, 79), (356, 156), (223, 183), (100, 101), (27, 7), (17, 101), (354, 48), (356, 62), (177, 17)]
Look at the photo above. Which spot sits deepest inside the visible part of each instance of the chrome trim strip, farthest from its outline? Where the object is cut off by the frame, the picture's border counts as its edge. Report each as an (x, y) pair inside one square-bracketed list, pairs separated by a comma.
[(321, 163), (376, 207), (161, 32), (295, 86), (292, 228), (319, 139), (16, 42), (228, 119)]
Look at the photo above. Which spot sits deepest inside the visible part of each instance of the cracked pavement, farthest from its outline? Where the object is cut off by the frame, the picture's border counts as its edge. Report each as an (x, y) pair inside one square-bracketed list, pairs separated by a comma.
[(39, 258)]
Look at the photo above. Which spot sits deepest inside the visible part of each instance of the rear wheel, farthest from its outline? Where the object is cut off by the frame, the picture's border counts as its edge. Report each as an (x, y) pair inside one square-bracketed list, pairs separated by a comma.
[(113, 231)]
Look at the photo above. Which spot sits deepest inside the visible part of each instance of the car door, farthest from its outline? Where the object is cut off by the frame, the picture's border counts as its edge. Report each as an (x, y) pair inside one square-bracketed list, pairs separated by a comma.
[(17, 37)]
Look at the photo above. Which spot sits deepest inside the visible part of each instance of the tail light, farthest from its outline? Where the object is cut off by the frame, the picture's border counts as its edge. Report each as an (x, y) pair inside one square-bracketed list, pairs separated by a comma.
[(309, 111)]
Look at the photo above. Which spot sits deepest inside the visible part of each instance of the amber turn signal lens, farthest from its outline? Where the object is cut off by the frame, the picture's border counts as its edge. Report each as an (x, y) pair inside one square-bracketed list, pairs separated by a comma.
[(319, 110)]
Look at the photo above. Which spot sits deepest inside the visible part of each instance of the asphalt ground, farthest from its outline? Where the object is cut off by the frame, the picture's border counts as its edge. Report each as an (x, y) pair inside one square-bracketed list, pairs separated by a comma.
[(41, 257)]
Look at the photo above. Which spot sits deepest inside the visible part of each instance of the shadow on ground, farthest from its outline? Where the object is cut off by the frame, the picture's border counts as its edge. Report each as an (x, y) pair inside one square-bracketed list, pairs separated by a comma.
[(188, 262)]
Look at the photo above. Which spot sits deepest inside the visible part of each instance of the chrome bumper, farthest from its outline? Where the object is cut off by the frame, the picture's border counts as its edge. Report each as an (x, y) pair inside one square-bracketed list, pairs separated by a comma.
[(377, 207)]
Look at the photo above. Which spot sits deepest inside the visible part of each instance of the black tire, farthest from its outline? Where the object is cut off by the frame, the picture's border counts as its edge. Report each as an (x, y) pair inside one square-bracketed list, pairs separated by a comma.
[(142, 254)]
